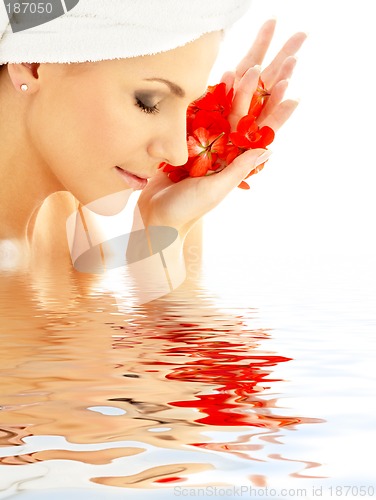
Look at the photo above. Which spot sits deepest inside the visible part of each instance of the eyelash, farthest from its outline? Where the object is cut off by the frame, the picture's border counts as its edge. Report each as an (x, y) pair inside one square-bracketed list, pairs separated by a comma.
[(150, 110)]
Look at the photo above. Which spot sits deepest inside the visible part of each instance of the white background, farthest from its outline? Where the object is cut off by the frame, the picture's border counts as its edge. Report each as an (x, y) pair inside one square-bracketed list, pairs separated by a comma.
[(316, 193)]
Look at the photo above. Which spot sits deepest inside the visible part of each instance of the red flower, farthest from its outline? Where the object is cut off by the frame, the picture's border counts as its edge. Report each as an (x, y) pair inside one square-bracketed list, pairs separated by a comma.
[(248, 135), (212, 121), (259, 99), (216, 99), (176, 174), (204, 146), (213, 107), (211, 144)]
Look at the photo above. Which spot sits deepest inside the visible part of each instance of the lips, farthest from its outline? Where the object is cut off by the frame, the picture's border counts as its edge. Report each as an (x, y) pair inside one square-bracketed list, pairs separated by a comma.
[(134, 181)]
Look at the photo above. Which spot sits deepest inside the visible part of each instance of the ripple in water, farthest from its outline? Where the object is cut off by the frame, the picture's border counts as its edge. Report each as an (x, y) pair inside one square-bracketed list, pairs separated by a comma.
[(165, 391)]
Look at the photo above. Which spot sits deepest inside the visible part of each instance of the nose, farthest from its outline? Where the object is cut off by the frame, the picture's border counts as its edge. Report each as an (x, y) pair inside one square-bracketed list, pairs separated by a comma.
[(170, 142)]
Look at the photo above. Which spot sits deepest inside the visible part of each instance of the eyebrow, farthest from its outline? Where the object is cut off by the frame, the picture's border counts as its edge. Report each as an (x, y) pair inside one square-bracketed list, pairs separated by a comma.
[(175, 89)]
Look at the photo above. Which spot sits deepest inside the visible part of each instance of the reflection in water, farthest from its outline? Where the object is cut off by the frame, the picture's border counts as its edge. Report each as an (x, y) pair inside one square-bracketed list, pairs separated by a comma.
[(133, 380), (240, 376)]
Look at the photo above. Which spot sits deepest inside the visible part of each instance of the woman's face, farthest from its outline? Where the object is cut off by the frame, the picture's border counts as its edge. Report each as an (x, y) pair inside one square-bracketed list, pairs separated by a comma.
[(88, 121)]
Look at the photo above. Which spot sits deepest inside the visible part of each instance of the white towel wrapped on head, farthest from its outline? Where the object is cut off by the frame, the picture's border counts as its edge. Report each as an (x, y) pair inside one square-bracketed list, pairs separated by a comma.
[(96, 30)]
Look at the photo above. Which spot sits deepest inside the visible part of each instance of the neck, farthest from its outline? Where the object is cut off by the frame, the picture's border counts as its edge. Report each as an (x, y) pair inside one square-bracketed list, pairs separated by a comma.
[(25, 178)]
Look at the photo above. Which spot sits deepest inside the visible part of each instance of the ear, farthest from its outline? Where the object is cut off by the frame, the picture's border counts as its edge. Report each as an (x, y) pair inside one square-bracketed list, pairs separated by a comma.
[(24, 73)]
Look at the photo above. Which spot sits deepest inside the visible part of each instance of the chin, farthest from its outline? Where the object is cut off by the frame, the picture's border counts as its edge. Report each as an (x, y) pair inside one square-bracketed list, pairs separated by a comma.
[(109, 204)]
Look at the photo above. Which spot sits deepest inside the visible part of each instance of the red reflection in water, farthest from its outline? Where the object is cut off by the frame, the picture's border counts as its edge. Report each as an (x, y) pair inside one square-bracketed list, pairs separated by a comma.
[(237, 377), (172, 479), (225, 376)]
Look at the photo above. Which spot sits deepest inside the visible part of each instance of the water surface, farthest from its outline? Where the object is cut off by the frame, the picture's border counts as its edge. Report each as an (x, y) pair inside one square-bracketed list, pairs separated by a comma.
[(257, 375)]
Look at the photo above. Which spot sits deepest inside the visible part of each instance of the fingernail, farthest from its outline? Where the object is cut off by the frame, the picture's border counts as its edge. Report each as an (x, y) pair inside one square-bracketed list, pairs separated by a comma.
[(262, 158), (292, 59), (257, 67)]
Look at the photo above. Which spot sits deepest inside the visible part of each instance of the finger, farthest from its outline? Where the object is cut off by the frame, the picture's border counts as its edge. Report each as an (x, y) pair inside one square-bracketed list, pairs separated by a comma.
[(256, 53), (290, 48), (230, 177), (287, 69), (280, 115), (285, 74), (228, 78), (274, 100), (242, 99)]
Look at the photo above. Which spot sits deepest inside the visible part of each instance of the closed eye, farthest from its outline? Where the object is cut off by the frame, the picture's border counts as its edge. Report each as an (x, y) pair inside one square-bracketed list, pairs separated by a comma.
[(151, 110)]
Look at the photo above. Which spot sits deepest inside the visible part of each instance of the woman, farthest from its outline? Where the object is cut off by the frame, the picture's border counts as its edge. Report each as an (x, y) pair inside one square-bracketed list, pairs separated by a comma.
[(93, 101)]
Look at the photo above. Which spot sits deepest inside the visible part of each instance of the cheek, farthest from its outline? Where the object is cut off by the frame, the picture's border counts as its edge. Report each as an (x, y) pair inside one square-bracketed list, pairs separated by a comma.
[(111, 126), (81, 130), (102, 129)]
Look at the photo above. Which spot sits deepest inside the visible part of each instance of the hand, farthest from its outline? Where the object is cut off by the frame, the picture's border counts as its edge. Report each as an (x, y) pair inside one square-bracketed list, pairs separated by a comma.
[(181, 204), (275, 77)]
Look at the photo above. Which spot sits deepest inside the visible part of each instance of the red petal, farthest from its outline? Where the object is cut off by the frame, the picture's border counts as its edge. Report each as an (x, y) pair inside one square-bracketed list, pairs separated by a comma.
[(256, 170), (194, 147), (246, 124), (232, 153), (178, 174), (239, 140), (259, 99), (198, 142), (216, 99), (219, 146), (243, 185), (168, 168), (267, 135), (200, 166), (202, 135), (212, 121), (255, 109)]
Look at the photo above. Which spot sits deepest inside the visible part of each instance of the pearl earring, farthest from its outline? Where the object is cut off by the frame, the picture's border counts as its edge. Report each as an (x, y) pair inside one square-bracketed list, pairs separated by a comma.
[(24, 87)]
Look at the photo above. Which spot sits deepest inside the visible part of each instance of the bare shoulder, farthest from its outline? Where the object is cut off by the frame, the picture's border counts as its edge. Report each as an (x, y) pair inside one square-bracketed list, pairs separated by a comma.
[(49, 238)]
